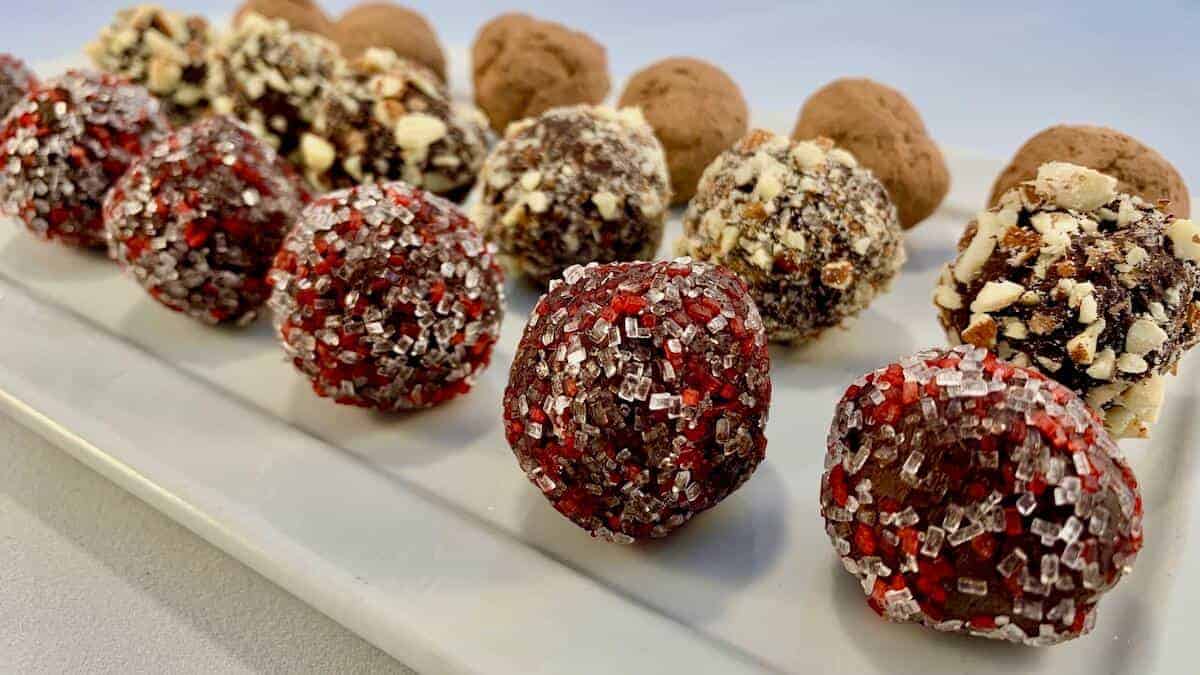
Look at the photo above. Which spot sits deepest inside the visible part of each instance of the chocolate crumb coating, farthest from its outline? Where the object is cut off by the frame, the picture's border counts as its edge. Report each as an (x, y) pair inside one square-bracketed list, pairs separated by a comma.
[(523, 67), (163, 50), (812, 232), (977, 497), (1096, 288), (390, 26), (15, 81), (575, 185), (300, 15)]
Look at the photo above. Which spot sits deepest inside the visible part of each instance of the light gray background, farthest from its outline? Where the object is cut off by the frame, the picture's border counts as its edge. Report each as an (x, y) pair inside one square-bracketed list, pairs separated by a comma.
[(93, 580)]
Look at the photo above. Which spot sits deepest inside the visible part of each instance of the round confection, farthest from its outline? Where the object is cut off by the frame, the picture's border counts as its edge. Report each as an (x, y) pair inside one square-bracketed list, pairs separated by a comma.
[(391, 119), (165, 51), (15, 81), (813, 233), (65, 143), (300, 15), (639, 395), (522, 67), (697, 112), (575, 185), (386, 297), (979, 498), (880, 127), (1095, 288), (199, 218), (274, 79), (390, 26), (1139, 169)]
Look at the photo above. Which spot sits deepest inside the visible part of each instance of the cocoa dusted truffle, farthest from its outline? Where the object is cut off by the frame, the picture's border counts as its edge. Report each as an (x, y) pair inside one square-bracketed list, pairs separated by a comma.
[(390, 26), (300, 15), (15, 80), (813, 234), (697, 112), (1138, 168), (979, 498), (639, 395), (523, 67), (386, 297), (391, 119), (199, 218), (575, 185), (879, 126), (1095, 288), (65, 143), (162, 50)]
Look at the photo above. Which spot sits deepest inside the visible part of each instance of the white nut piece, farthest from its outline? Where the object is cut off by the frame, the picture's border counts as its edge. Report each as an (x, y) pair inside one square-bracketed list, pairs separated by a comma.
[(996, 295), (1102, 367), (1185, 238), (606, 202), (1082, 347), (1075, 187), (318, 154), (1132, 364), (1144, 336)]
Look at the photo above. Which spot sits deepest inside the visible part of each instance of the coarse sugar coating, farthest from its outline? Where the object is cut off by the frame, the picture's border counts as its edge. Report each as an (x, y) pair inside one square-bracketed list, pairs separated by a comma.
[(813, 234), (392, 119), (386, 297), (1095, 288), (572, 186), (199, 218), (65, 143), (162, 50), (15, 81), (639, 394), (977, 497)]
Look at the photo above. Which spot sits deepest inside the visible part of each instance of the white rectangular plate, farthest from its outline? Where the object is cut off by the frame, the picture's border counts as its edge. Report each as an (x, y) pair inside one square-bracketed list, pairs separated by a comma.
[(420, 533)]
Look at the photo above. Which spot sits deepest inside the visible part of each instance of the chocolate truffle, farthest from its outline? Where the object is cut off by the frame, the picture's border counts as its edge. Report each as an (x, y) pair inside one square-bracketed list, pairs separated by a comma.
[(162, 50), (15, 80), (813, 234), (386, 297), (523, 67), (1139, 169), (199, 218), (977, 497), (390, 26), (575, 185), (300, 15), (639, 395), (697, 112), (391, 119), (1095, 288), (881, 128), (65, 143)]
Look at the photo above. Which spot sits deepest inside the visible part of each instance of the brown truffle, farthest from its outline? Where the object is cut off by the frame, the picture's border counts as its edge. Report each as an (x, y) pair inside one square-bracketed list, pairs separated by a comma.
[(883, 130), (402, 30), (1139, 169), (522, 67), (304, 15), (697, 112)]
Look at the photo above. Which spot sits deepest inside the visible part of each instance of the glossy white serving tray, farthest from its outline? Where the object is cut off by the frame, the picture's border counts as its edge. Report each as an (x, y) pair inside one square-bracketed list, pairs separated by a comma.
[(420, 533)]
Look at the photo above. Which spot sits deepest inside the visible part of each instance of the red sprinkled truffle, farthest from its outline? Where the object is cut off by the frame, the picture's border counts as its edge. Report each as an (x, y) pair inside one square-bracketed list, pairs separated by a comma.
[(64, 145), (15, 80), (974, 496), (198, 220), (387, 297), (639, 394)]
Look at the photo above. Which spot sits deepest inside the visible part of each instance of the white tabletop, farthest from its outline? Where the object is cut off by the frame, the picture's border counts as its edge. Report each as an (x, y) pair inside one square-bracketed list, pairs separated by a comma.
[(93, 580)]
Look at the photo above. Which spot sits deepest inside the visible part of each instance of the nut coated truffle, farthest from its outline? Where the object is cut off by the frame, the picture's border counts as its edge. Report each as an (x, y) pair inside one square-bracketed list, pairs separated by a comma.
[(1139, 169), (523, 67), (879, 126), (386, 297), (697, 112), (572, 186), (976, 497), (162, 50), (63, 146), (814, 234), (390, 26), (639, 395), (1095, 288), (15, 81), (300, 15), (392, 119), (198, 220)]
